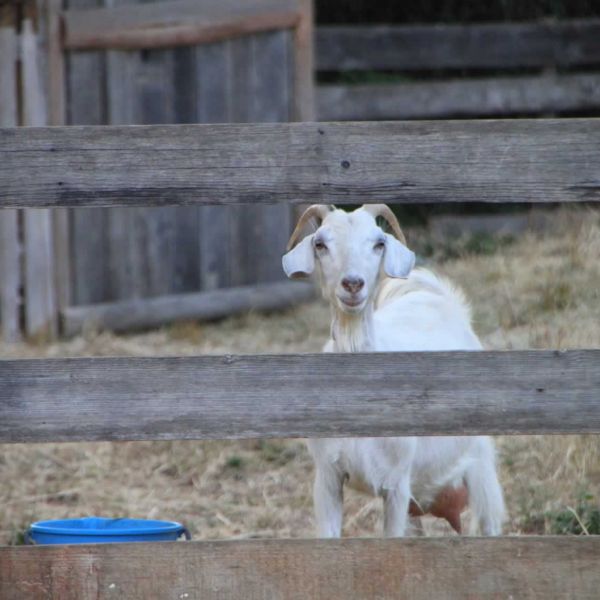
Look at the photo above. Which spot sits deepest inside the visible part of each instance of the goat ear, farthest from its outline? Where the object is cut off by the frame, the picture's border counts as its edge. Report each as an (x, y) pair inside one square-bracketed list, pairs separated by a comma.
[(299, 262), (398, 260)]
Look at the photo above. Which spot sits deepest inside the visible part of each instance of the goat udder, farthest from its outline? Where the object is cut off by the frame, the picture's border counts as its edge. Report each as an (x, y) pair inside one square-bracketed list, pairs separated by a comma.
[(448, 504)]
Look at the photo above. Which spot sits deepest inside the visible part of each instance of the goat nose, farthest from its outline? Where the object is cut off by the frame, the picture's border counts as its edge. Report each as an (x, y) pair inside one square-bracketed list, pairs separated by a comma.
[(353, 284)]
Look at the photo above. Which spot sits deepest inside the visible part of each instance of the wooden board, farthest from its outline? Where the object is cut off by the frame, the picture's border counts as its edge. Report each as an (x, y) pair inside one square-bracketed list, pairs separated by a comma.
[(168, 24), (50, 26), (217, 224), (185, 221), (144, 313), (296, 396), (527, 568), (151, 252), (10, 249), (458, 98), (395, 162), (88, 243), (141, 241), (10, 276), (261, 93), (38, 244), (123, 274), (483, 46), (243, 80), (304, 84)]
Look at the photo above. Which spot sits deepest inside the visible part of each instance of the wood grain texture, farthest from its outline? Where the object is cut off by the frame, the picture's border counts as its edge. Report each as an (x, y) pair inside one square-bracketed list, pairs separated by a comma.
[(262, 74), (88, 103), (144, 252), (304, 85), (527, 568), (143, 313), (56, 63), (57, 115), (395, 162), (10, 276), (214, 104), (10, 248), (147, 236), (483, 46), (434, 99), (168, 24), (41, 311), (118, 244), (296, 396)]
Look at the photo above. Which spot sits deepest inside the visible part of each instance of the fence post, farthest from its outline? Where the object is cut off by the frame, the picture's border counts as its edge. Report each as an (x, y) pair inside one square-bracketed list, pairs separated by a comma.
[(40, 294), (10, 267)]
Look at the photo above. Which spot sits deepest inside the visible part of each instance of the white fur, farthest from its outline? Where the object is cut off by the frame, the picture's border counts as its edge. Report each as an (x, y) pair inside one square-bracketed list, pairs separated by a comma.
[(420, 313)]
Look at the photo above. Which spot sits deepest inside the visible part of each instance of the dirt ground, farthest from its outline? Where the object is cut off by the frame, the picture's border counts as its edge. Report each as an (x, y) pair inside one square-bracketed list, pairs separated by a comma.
[(541, 290)]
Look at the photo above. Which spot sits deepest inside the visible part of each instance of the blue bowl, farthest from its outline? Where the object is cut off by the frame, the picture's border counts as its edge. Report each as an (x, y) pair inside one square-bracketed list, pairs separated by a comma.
[(99, 530)]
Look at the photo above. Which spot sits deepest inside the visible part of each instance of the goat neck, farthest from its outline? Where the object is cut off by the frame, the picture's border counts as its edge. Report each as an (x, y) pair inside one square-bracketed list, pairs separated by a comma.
[(353, 332)]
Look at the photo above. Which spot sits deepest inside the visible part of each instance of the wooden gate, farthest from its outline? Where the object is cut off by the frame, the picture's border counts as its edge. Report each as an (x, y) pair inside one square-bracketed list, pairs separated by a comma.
[(127, 62), (463, 393)]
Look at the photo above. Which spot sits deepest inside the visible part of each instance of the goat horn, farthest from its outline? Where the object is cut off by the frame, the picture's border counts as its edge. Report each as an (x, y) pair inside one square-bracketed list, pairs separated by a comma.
[(384, 211), (318, 211)]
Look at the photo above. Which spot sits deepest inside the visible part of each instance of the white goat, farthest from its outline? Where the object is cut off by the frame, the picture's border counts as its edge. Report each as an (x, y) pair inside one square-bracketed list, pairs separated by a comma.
[(379, 303)]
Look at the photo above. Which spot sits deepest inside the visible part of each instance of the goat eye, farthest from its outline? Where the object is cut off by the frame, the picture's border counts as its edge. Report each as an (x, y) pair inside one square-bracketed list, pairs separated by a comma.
[(380, 245), (320, 245)]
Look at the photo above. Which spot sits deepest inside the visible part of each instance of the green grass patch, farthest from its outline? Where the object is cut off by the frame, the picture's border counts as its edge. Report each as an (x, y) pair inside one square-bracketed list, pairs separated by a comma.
[(584, 518), (235, 462)]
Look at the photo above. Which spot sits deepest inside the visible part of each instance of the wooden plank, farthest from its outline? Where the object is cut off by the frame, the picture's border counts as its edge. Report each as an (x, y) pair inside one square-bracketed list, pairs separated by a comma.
[(185, 269), (168, 24), (86, 91), (56, 64), (397, 162), (244, 98), (260, 72), (39, 282), (39, 290), (124, 262), (483, 46), (121, 105), (450, 568), (151, 233), (10, 248), (56, 82), (10, 275), (8, 73), (272, 90), (144, 313), (376, 394), (434, 99), (214, 97), (304, 86)]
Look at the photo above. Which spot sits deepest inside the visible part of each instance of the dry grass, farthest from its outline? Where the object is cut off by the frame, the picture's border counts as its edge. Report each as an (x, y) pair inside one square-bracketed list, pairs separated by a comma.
[(542, 291)]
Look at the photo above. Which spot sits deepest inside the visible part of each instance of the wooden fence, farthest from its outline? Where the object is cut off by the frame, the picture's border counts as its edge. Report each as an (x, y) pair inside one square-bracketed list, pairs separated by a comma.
[(547, 53), (133, 62), (128, 62), (244, 397)]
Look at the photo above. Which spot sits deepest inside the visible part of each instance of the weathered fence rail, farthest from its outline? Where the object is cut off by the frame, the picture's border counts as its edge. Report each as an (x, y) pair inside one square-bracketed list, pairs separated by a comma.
[(546, 93), (375, 394), (127, 315), (178, 23), (308, 395), (527, 568), (542, 51), (443, 46), (481, 161)]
